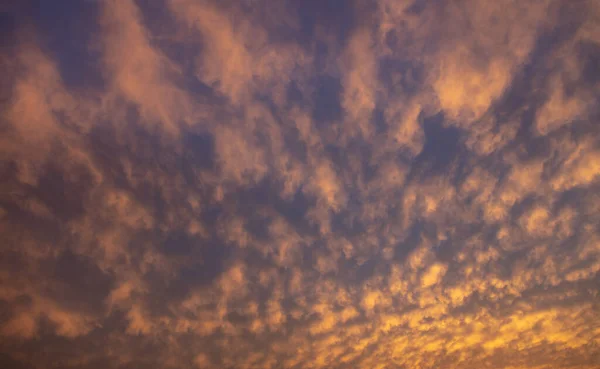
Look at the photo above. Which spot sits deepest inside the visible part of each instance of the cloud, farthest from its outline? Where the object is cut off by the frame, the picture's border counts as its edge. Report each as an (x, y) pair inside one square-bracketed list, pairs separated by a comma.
[(139, 72), (235, 60), (433, 275), (242, 161), (256, 185), (227, 60), (360, 87)]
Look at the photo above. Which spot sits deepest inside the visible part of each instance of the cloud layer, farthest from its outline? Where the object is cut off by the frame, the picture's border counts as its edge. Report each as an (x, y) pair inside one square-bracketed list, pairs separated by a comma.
[(300, 184)]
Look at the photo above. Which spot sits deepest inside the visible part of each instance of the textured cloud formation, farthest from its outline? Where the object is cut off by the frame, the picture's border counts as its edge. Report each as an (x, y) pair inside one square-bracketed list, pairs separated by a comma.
[(300, 184)]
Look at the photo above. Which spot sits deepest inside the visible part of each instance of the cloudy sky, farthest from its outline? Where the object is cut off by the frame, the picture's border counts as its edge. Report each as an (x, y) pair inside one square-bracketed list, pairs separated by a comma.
[(381, 184)]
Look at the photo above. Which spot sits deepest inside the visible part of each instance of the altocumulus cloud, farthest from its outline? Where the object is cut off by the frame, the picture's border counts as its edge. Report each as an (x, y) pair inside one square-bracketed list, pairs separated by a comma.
[(300, 184)]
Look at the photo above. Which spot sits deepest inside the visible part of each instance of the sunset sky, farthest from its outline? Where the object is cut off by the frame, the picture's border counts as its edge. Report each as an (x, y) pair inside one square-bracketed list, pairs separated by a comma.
[(300, 184)]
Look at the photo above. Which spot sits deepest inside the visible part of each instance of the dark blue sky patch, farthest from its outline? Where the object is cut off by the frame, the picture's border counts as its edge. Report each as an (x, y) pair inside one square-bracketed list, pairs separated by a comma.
[(248, 202), (200, 274), (417, 7), (589, 54), (379, 121), (442, 148), (200, 147), (536, 148), (294, 211), (13, 260), (578, 198), (335, 16), (410, 242), (200, 261), (326, 99), (81, 284), (521, 207), (446, 250), (294, 95), (178, 243), (368, 269), (9, 27), (401, 75), (345, 222), (69, 30), (145, 149), (64, 195), (297, 147)]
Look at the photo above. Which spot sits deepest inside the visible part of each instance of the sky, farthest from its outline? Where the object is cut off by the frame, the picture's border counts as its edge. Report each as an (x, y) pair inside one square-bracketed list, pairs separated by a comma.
[(259, 184)]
